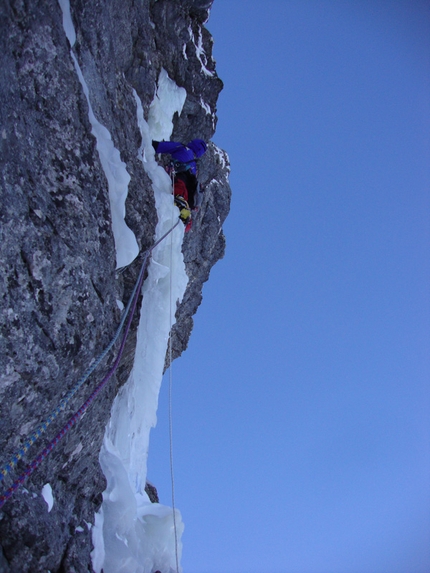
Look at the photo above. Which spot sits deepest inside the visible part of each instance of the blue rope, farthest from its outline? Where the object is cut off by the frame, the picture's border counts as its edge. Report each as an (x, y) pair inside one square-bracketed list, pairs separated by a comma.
[(35, 435), (77, 415)]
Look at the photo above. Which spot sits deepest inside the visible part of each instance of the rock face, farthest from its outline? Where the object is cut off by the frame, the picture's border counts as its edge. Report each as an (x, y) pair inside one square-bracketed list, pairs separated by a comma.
[(58, 280)]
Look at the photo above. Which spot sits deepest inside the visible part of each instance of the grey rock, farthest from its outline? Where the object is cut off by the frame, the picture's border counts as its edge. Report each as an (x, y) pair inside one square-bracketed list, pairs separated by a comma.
[(152, 492), (4, 566), (57, 274)]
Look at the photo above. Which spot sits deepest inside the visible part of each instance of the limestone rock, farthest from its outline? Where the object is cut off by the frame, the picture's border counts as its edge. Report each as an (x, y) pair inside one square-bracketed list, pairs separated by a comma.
[(58, 280)]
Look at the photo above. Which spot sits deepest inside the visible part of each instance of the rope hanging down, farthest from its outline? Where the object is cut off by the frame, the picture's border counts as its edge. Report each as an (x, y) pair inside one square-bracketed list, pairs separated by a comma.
[(76, 417), (32, 438), (172, 476)]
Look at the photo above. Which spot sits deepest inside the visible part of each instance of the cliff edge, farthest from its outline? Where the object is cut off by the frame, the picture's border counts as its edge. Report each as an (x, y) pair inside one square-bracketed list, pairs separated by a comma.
[(59, 278)]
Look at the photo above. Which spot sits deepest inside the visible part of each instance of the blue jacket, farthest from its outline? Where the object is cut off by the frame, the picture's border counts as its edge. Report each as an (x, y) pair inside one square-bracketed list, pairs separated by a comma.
[(183, 153)]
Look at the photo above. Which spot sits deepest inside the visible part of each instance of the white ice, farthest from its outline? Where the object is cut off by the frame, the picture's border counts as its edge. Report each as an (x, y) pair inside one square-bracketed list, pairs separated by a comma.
[(131, 534), (114, 168), (67, 22), (167, 100), (200, 52), (205, 106), (222, 157), (47, 495)]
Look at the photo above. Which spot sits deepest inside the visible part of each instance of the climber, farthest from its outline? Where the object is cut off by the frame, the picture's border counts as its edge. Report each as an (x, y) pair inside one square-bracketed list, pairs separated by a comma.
[(183, 156), (184, 167)]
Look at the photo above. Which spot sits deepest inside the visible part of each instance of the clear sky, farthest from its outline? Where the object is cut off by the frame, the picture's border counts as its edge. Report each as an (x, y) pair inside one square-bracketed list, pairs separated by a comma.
[(302, 406)]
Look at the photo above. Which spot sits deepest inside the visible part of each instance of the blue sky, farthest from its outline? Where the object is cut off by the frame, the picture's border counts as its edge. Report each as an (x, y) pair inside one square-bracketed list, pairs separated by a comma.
[(301, 407)]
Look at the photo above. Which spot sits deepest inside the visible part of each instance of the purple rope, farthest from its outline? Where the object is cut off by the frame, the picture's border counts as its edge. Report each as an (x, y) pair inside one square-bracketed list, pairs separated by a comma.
[(76, 417)]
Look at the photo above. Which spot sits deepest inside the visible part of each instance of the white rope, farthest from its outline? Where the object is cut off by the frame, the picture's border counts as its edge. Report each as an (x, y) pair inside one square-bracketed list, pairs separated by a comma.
[(172, 478)]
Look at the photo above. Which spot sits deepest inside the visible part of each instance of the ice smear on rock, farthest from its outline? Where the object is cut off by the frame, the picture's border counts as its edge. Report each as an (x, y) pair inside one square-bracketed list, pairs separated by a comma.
[(67, 22), (223, 158), (131, 534), (114, 168), (200, 52), (47, 496), (168, 99)]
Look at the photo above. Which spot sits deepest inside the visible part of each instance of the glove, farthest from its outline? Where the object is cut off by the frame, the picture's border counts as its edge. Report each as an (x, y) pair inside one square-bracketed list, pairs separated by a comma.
[(185, 215), (184, 208), (181, 203)]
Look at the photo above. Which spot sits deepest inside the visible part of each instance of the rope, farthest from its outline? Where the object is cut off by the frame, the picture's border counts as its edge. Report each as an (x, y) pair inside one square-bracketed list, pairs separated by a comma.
[(32, 438), (172, 478), (75, 418)]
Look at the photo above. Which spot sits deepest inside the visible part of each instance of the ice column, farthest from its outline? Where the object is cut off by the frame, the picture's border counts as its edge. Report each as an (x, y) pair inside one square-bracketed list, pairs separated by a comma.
[(133, 535)]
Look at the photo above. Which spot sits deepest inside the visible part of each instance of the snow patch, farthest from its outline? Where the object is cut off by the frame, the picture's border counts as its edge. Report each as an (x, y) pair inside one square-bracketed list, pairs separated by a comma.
[(47, 496), (98, 553), (168, 100), (223, 158), (200, 52), (205, 106)]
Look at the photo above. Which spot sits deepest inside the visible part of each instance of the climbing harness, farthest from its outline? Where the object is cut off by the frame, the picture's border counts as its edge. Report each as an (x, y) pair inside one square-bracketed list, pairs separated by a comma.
[(129, 310)]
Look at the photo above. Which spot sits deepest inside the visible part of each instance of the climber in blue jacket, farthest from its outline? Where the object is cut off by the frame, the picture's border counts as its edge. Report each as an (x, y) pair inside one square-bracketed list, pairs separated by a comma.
[(185, 184), (184, 155)]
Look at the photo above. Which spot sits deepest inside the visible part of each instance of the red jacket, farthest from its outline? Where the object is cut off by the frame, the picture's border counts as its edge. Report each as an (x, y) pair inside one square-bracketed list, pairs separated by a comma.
[(181, 189)]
